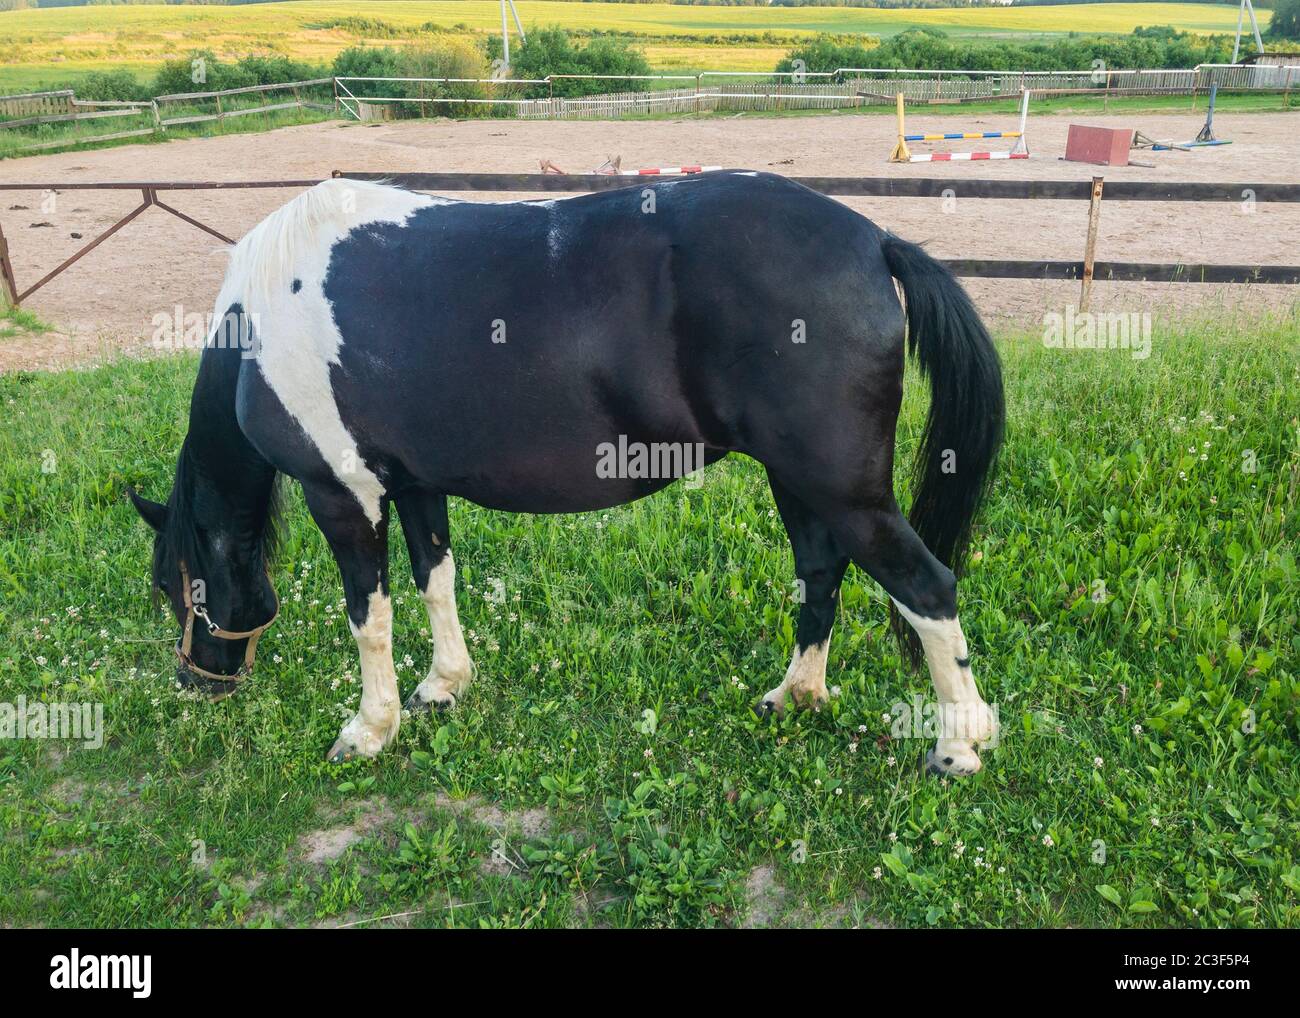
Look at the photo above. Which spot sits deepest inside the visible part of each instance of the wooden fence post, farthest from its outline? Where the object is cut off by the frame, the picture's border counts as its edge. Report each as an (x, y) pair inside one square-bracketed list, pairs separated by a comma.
[(8, 288), (1090, 248)]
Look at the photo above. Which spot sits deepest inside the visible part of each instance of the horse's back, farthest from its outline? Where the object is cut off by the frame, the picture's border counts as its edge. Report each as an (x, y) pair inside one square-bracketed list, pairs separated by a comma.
[(480, 347)]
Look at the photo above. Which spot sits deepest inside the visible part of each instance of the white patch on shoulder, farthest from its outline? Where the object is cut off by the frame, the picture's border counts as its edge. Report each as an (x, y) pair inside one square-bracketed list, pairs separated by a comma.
[(297, 337)]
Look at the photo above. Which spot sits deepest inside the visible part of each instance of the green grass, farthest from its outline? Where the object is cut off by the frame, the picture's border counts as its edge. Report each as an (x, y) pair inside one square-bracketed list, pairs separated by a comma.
[(15, 145), (46, 46), (17, 321), (1122, 712)]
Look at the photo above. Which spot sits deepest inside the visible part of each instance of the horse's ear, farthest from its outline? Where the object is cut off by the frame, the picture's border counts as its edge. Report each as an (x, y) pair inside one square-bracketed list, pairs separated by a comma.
[(151, 512)]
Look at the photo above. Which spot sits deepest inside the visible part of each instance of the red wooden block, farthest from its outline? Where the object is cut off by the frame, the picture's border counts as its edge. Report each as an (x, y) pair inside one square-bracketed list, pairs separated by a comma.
[(1107, 146)]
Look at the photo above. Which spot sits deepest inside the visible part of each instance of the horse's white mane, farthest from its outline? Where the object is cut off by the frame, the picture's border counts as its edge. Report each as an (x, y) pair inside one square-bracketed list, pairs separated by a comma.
[(265, 261)]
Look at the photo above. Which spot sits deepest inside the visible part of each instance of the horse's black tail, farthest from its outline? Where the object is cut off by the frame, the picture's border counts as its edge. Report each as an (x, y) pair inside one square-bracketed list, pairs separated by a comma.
[(964, 429)]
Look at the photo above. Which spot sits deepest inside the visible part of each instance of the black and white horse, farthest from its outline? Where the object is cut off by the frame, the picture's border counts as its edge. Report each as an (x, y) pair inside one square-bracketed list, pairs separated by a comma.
[(395, 348)]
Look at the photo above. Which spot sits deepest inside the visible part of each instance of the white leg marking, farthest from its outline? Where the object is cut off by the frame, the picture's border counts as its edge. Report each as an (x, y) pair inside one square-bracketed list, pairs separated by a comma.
[(452, 669), (375, 724), (967, 720), (805, 679)]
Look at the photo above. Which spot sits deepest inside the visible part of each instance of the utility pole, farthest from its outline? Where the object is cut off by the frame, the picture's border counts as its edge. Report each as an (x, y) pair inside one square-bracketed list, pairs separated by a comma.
[(1207, 132), (505, 31), (1246, 8)]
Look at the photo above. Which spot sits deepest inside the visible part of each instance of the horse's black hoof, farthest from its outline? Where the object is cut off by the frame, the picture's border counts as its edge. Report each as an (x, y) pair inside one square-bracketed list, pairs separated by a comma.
[(340, 753), (417, 704)]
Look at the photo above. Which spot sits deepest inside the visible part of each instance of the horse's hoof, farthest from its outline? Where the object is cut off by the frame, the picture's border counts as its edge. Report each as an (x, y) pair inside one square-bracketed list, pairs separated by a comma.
[(956, 765), (341, 752), (816, 700), (417, 704)]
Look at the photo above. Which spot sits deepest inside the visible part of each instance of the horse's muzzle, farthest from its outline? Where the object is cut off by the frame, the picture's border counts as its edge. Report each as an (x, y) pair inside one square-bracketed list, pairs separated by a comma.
[(211, 687)]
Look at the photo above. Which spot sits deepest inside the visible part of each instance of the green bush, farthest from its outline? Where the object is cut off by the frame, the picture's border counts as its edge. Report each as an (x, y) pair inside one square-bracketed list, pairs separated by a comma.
[(366, 62), (111, 86), (929, 49), (442, 57), (446, 57), (828, 53), (551, 51), (203, 71)]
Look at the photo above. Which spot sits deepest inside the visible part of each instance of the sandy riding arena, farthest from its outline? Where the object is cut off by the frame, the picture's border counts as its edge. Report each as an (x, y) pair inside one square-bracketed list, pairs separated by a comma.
[(107, 302)]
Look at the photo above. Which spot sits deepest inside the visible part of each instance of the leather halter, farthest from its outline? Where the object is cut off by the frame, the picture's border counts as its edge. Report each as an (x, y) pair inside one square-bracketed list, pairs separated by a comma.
[(193, 611)]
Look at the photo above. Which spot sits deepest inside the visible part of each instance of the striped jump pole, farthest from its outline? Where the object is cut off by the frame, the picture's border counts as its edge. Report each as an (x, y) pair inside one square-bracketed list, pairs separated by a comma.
[(655, 171), (952, 157), (902, 154)]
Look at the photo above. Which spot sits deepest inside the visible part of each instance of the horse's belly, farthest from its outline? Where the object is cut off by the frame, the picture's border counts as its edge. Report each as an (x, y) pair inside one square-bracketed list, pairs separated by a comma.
[(534, 477), (557, 498)]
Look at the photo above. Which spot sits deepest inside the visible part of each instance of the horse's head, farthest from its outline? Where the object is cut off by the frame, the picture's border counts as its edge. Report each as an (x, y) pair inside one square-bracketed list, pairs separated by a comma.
[(217, 587)]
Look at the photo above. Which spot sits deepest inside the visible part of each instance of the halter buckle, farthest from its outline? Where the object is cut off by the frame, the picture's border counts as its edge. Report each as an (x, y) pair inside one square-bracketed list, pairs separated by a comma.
[(202, 613), (193, 611)]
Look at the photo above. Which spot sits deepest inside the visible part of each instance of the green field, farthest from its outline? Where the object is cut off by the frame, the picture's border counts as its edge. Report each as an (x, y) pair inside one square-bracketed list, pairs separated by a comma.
[(46, 46), (1131, 608)]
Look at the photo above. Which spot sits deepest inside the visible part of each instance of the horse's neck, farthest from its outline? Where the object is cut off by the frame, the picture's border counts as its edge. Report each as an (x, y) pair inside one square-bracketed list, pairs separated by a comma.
[(230, 481)]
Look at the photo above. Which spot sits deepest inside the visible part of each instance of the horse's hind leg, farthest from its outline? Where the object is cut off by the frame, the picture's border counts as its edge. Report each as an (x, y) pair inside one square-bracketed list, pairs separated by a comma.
[(883, 543), (819, 564), (361, 551), (424, 522)]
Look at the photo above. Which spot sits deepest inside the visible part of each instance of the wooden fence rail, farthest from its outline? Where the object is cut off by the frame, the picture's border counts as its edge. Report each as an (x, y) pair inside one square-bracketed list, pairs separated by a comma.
[(42, 108), (1085, 270)]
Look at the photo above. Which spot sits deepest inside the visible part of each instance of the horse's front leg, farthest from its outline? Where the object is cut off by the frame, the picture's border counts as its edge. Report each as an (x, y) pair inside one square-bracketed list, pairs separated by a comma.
[(360, 548)]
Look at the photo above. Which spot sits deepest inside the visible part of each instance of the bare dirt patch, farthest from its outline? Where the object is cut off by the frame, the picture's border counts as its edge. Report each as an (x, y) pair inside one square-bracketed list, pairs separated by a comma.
[(766, 898), (528, 823), (105, 304), (72, 791), (503, 859), (329, 843), (772, 905)]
